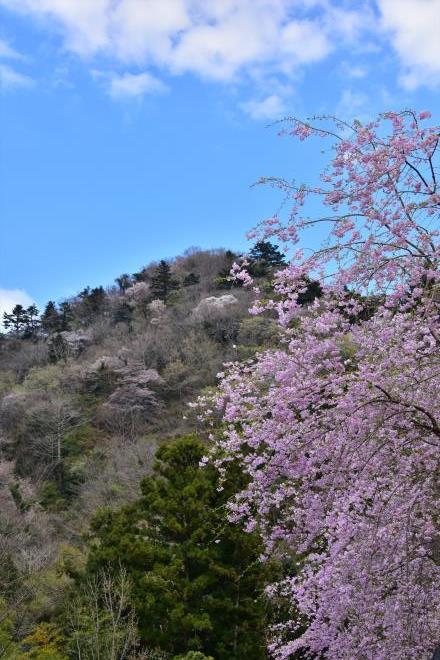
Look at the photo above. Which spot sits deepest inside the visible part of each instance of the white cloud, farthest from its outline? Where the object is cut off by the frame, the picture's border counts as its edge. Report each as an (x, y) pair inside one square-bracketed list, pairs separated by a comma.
[(217, 39), (304, 42), (134, 84), (11, 79), (11, 297), (232, 40), (414, 26), (353, 105), (271, 107), (9, 53), (353, 70)]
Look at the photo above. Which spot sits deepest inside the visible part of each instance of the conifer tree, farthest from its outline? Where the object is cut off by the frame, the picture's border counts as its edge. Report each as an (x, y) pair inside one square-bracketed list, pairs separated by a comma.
[(16, 320), (196, 582), (124, 282), (263, 257), (32, 321), (50, 319), (66, 315), (162, 282), (95, 299)]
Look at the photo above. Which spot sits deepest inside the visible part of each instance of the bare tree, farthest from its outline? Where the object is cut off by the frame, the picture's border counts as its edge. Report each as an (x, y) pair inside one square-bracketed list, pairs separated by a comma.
[(102, 621)]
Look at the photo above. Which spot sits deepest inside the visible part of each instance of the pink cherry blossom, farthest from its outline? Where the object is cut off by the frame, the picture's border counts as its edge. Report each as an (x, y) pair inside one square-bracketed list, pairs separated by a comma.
[(339, 427)]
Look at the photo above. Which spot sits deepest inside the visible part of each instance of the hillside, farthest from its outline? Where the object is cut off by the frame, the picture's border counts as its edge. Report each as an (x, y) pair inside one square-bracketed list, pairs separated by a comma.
[(89, 389)]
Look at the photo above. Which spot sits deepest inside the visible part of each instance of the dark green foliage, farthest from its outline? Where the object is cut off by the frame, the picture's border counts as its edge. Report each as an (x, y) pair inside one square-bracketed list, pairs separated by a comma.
[(193, 655), (50, 496), (22, 322), (32, 321), (66, 315), (18, 498), (93, 300), (162, 281), (141, 276), (191, 279), (223, 279), (196, 581), (16, 321), (124, 282), (50, 319), (312, 290), (263, 258)]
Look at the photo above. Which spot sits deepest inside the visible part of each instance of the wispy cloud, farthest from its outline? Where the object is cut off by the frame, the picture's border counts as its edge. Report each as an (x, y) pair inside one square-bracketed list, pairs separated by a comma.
[(353, 104), (271, 107), (12, 79), (9, 53), (130, 85), (414, 27)]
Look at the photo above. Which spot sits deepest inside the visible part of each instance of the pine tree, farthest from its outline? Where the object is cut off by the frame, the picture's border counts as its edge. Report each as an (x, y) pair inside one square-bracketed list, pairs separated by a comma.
[(50, 319), (66, 316), (223, 279), (162, 281), (93, 302), (197, 585), (124, 282), (96, 298), (32, 321), (16, 320), (263, 257)]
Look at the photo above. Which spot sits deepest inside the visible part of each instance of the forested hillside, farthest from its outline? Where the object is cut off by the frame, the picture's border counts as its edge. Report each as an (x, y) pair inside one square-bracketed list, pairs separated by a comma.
[(91, 390)]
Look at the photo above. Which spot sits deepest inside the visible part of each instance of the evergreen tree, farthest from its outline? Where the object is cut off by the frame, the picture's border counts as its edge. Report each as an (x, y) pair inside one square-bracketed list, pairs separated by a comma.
[(141, 276), (50, 319), (93, 301), (162, 281), (16, 320), (191, 279), (32, 322), (124, 282), (66, 316), (223, 279), (263, 257), (196, 581)]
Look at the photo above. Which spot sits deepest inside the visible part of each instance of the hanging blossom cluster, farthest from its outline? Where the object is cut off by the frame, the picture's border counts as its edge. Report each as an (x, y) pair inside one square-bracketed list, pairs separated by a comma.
[(339, 428)]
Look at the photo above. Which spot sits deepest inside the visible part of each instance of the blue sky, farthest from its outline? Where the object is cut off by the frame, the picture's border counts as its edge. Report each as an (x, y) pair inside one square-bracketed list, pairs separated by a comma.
[(133, 129)]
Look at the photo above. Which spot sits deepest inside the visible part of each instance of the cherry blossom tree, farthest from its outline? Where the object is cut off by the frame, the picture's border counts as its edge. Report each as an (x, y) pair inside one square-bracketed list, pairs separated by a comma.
[(339, 427)]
